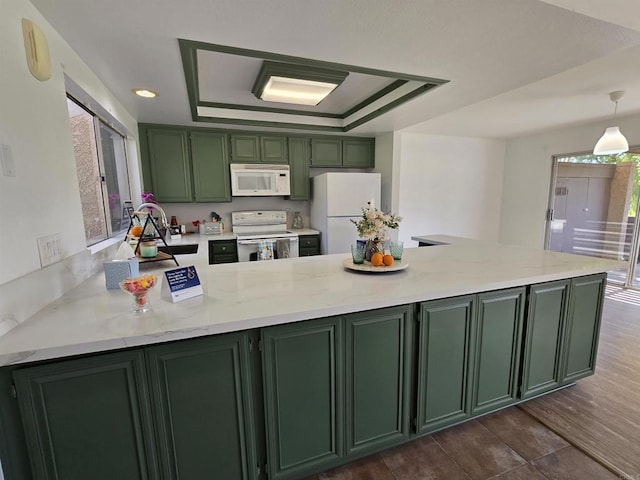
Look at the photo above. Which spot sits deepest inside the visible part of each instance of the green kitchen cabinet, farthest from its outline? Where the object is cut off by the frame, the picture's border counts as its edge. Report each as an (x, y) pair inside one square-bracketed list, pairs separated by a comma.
[(211, 182), (185, 165), (299, 157), (444, 360), (584, 315), (252, 148), (544, 337), (358, 153), (169, 164), (303, 375), (202, 394), (326, 152), (88, 418), (308, 245), (378, 358), (496, 352), (223, 251), (336, 388)]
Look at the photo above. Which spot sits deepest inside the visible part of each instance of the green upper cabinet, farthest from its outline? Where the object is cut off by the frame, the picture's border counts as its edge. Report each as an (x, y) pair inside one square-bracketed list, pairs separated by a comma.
[(378, 378), (249, 148), (273, 149), (169, 164), (201, 390), (88, 418), (299, 155), (303, 381), (497, 349), (358, 153), (326, 152), (444, 356), (211, 181), (185, 165), (583, 326), (543, 341), (350, 152), (245, 148)]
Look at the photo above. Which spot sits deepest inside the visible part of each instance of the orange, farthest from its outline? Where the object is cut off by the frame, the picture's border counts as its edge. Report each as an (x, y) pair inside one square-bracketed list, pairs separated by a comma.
[(387, 260), (376, 259), (136, 230)]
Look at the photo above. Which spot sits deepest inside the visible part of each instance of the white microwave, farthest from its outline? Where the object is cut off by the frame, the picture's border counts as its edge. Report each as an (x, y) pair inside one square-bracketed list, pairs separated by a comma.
[(258, 180)]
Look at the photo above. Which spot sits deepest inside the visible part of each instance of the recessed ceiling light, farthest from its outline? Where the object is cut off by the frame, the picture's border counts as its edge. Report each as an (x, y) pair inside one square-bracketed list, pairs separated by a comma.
[(143, 92), (298, 84)]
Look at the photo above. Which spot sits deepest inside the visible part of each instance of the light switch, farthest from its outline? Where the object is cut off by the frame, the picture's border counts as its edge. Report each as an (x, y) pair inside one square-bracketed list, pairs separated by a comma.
[(6, 161), (50, 249)]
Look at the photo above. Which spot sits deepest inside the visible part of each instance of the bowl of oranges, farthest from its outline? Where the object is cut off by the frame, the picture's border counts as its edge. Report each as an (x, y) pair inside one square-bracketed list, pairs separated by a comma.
[(380, 263)]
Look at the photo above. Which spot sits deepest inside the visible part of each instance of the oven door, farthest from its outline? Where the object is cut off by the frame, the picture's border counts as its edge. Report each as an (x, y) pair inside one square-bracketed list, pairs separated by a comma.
[(248, 250)]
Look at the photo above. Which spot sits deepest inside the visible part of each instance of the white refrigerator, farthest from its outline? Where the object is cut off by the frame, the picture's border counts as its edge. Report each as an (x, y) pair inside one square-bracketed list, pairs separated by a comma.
[(338, 197)]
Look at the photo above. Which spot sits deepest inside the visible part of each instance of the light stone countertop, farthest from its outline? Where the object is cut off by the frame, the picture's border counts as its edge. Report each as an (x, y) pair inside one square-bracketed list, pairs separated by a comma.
[(241, 296)]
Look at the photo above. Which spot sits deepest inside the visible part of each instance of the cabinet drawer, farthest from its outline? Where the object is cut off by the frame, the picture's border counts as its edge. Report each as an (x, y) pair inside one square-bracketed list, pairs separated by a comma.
[(308, 252), (223, 258), (309, 242), (222, 247)]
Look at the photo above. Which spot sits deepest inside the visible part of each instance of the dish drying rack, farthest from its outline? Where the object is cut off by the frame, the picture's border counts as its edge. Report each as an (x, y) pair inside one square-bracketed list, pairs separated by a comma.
[(150, 231)]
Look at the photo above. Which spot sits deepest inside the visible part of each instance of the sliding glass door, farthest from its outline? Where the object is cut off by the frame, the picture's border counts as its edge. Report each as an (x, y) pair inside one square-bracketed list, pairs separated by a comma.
[(593, 210)]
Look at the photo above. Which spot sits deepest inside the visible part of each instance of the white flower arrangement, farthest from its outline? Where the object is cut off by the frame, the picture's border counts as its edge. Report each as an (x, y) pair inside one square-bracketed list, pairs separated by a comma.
[(374, 224)]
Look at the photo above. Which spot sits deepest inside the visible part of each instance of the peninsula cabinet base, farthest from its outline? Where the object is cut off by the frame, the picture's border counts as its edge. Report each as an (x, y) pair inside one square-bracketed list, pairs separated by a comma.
[(288, 401)]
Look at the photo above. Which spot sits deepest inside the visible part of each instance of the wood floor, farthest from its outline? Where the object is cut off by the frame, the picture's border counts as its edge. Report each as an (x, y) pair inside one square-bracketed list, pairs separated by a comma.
[(571, 434)]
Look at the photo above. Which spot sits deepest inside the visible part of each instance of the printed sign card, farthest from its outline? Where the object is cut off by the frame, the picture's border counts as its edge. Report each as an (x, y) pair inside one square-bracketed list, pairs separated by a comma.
[(181, 283)]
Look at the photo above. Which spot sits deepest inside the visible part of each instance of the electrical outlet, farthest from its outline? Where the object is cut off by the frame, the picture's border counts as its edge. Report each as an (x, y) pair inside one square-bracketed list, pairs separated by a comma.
[(50, 249), (6, 161)]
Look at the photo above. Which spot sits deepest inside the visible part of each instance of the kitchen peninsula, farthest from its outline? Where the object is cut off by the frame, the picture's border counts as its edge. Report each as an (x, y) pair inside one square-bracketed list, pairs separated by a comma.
[(275, 367)]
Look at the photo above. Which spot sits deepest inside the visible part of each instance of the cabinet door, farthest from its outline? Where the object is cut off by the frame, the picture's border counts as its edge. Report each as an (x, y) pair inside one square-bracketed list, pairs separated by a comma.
[(201, 391), (299, 169), (245, 148), (210, 167), (543, 337), (583, 326), (358, 153), (88, 418), (444, 354), (169, 164), (302, 368), (497, 349), (326, 152), (273, 149), (378, 373)]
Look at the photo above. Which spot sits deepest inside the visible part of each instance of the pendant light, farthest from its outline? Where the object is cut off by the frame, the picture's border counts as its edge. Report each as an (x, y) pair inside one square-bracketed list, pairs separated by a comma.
[(612, 141)]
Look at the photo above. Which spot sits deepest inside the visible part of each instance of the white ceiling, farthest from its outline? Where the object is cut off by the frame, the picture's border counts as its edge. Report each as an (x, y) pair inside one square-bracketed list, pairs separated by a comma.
[(514, 65)]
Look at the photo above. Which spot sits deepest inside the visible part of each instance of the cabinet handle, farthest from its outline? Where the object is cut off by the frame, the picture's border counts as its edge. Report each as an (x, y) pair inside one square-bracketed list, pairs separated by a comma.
[(224, 248)]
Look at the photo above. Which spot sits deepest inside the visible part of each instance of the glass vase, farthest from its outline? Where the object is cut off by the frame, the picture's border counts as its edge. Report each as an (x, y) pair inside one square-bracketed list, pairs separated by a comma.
[(371, 247), (140, 302)]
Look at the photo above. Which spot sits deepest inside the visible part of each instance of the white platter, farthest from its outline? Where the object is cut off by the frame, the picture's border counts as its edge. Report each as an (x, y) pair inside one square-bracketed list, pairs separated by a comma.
[(367, 267)]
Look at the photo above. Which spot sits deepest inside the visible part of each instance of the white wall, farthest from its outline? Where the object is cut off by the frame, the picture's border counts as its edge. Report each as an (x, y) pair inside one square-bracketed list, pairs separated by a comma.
[(527, 175), (43, 198), (449, 185)]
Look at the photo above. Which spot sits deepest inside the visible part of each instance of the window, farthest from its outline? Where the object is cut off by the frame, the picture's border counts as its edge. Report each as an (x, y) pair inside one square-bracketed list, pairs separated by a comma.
[(101, 164)]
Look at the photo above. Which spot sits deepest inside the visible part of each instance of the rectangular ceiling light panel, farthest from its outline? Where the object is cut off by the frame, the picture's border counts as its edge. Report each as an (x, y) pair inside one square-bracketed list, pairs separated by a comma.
[(296, 90)]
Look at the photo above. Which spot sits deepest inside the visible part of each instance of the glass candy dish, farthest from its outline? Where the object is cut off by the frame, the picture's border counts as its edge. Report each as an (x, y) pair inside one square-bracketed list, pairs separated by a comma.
[(138, 289)]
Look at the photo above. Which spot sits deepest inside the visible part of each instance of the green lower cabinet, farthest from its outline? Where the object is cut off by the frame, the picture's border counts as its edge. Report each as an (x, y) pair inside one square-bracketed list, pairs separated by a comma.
[(88, 418), (304, 413), (496, 353), (201, 392), (543, 340), (378, 369), (583, 326), (444, 342)]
